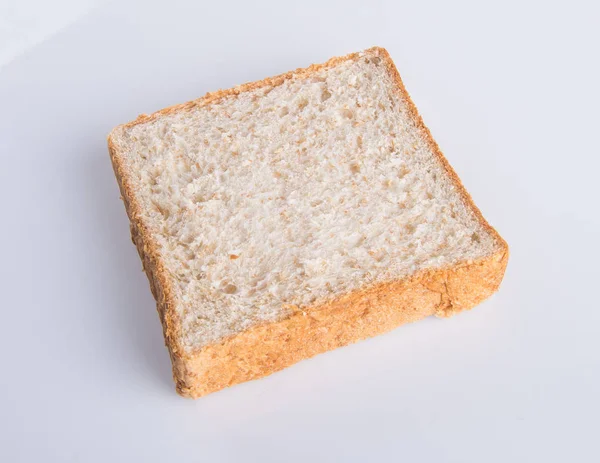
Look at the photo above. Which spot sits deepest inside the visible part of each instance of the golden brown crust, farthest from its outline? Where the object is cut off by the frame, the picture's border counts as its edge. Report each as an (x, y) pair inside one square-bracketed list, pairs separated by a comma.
[(264, 349), (154, 269), (213, 97)]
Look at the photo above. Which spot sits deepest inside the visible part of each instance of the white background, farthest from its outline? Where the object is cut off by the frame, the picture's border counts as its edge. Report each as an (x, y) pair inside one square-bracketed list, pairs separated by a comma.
[(509, 90)]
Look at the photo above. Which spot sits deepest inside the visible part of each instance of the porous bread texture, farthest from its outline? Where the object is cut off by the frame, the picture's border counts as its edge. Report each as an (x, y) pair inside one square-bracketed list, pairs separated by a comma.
[(286, 196)]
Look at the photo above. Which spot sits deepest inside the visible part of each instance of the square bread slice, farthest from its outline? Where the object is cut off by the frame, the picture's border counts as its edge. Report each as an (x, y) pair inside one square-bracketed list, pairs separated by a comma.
[(287, 217)]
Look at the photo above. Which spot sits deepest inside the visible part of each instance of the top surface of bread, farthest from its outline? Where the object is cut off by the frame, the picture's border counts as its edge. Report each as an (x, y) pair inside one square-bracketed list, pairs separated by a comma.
[(292, 191)]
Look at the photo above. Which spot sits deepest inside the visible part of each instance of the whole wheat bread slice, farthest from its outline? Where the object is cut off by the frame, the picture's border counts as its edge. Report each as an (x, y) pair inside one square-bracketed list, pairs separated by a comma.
[(291, 216)]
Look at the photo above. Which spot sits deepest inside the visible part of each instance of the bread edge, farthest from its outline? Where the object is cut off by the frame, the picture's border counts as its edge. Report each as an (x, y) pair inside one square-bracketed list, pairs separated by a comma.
[(265, 349), (362, 314)]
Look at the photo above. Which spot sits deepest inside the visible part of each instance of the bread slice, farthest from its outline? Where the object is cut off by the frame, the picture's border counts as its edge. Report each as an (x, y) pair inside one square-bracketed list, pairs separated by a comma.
[(287, 217)]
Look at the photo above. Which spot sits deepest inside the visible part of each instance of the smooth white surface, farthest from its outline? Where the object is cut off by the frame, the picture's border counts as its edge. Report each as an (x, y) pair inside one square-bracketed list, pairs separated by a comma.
[(25, 23), (510, 93)]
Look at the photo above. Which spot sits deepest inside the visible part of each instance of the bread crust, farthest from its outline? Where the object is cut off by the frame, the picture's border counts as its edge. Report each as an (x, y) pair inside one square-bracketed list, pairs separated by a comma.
[(265, 349)]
